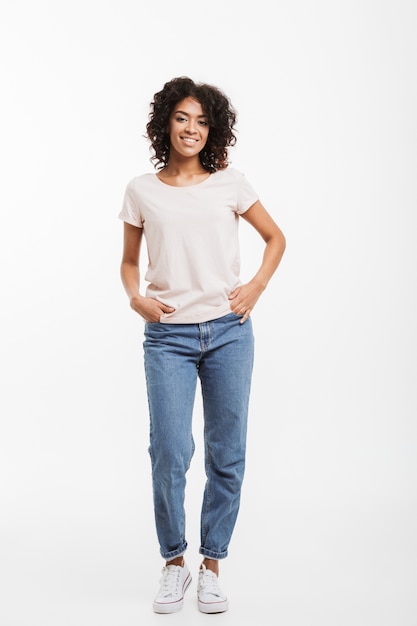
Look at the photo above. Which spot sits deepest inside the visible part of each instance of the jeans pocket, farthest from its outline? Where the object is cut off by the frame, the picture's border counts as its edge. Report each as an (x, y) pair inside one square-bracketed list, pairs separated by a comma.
[(236, 315)]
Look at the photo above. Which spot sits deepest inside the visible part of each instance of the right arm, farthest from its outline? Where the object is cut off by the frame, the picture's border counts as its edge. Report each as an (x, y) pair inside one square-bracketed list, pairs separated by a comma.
[(148, 308)]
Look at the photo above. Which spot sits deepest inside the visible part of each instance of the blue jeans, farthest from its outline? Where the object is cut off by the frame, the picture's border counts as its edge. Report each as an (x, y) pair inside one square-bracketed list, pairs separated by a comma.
[(220, 354)]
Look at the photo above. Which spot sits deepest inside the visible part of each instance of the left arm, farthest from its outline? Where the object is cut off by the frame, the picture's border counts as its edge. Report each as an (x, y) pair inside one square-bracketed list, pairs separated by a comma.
[(244, 298)]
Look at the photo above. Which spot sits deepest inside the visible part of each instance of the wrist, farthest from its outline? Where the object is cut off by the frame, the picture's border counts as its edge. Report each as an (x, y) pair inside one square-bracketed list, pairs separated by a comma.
[(259, 283), (135, 299)]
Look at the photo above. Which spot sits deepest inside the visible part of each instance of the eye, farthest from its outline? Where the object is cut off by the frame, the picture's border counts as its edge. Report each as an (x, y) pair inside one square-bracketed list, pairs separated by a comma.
[(180, 118), (203, 123)]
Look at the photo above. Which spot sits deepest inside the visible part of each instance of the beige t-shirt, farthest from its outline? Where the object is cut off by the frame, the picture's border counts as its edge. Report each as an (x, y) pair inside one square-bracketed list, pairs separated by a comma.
[(192, 240)]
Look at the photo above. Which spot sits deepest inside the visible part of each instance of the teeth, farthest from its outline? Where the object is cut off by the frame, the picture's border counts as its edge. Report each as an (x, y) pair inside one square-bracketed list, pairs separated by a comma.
[(189, 140)]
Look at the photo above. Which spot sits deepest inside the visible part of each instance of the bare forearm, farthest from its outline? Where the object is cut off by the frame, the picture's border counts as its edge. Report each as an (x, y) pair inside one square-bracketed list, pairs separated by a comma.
[(130, 278), (244, 297), (272, 256), (149, 309)]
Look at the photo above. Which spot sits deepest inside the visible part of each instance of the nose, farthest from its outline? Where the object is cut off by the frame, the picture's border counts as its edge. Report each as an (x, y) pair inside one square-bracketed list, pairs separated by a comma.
[(191, 126)]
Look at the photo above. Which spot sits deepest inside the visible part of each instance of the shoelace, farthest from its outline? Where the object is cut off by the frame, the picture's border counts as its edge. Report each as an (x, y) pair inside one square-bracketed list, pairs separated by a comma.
[(169, 581), (208, 581)]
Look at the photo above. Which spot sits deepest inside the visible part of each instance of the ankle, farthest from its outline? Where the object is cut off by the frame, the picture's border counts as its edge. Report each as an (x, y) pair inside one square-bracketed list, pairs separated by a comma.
[(212, 565), (179, 560)]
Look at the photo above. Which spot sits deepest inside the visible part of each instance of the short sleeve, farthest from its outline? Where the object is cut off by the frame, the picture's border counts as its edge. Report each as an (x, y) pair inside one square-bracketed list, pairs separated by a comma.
[(130, 212), (246, 195)]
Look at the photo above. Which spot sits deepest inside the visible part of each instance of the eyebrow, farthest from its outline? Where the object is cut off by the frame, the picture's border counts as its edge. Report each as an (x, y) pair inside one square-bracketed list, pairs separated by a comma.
[(185, 113)]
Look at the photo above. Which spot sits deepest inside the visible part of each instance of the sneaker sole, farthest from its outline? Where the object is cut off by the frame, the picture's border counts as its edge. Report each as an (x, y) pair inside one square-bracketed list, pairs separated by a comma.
[(172, 607), (213, 607)]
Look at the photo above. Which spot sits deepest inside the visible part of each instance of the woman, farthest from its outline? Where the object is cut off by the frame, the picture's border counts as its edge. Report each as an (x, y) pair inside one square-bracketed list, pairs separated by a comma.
[(197, 320)]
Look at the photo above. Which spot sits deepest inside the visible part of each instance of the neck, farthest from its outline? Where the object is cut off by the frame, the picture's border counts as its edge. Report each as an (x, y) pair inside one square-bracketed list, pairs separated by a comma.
[(180, 174), (184, 167)]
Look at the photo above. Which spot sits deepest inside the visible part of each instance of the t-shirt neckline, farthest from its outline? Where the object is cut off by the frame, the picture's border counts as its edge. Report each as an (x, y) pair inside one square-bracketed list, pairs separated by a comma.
[(184, 186)]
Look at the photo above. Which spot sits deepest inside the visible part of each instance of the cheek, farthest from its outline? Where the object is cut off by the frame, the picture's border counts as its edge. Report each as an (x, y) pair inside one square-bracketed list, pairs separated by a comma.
[(171, 132), (171, 127)]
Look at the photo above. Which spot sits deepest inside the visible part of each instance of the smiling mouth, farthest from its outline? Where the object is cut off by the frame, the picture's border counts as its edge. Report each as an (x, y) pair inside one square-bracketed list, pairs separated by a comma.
[(189, 139)]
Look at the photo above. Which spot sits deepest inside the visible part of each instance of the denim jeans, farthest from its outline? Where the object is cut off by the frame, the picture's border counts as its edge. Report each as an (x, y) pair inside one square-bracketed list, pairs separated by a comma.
[(220, 354)]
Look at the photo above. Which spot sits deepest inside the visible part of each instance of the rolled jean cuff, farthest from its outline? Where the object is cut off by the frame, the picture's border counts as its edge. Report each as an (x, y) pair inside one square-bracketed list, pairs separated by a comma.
[(210, 554), (168, 556)]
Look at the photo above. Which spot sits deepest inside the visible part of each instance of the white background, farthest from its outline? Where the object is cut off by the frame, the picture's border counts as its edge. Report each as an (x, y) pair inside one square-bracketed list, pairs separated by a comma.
[(326, 95)]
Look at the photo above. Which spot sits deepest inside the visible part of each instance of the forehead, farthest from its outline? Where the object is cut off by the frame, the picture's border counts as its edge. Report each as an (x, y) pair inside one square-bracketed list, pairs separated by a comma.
[(189, 105)]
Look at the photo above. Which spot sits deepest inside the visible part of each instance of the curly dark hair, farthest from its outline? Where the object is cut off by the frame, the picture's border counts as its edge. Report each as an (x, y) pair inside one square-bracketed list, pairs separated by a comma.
[(221, 119)]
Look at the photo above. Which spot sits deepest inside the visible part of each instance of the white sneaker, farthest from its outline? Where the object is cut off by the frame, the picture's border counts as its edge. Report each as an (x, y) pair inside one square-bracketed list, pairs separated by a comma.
[(174, 582), (210, 597)]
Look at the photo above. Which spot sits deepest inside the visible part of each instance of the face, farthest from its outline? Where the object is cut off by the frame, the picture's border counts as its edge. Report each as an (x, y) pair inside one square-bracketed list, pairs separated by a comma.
[(188, 128)]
